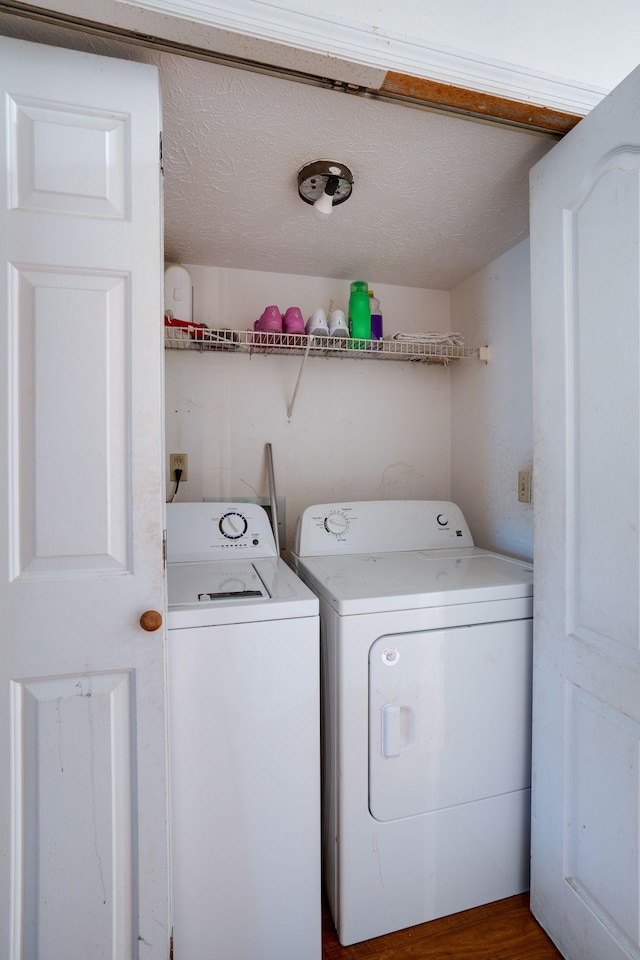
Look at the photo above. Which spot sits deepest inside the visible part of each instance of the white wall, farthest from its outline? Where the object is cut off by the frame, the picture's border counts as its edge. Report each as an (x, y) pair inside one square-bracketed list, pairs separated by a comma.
[(587, 41), (491, 406), (364, 429), (361, 429)]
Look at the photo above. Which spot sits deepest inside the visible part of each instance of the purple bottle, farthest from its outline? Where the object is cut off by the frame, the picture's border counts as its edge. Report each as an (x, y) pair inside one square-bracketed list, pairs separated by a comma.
[(376, 317)]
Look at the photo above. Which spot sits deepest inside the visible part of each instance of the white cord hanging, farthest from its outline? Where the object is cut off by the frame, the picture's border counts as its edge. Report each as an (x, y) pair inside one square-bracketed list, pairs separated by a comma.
[(295, 389)]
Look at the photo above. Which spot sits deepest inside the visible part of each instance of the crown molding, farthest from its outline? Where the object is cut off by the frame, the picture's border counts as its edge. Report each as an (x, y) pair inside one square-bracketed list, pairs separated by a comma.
[(313, 31)]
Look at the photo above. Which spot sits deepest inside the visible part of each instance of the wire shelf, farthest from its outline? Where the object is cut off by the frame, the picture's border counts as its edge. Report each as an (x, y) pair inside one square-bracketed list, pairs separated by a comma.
[(289, 344)]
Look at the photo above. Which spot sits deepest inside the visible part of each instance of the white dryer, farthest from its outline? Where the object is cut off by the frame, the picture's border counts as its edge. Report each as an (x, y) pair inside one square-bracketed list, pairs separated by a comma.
[(426, 661), (244, 705)]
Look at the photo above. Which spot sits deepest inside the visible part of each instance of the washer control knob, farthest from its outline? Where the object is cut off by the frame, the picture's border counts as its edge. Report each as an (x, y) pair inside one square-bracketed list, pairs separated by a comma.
[(336, 523), (442, 519), (233, 525)]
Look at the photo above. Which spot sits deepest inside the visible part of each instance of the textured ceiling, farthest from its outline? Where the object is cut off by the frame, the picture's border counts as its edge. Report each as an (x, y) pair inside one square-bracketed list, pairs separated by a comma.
[(435, 197)]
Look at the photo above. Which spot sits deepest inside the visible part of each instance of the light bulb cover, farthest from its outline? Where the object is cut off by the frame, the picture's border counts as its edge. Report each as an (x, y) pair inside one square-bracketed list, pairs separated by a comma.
[(323, 207)]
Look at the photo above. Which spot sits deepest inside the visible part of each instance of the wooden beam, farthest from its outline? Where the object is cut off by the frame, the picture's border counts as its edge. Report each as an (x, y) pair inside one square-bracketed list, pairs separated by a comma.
[(478, 104)]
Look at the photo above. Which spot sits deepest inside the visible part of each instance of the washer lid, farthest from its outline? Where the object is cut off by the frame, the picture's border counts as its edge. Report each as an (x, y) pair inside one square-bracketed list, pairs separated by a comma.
[(190, 583), (203, 594), (373, 583)]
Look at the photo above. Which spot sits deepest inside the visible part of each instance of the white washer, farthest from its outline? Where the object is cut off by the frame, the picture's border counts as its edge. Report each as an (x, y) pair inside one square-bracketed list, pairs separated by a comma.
[(243, 680), (426, 659)]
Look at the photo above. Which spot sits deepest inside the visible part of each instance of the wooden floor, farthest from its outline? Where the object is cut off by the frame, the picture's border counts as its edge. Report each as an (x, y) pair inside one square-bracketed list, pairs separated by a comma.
[(505, 930)]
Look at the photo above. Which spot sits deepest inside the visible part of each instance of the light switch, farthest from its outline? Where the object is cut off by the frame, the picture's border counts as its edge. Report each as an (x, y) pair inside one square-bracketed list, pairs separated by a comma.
[(524, 486)]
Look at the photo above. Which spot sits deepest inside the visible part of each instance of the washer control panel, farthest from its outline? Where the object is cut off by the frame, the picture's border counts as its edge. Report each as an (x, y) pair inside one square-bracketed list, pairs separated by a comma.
[(380, 526), (218, 531)]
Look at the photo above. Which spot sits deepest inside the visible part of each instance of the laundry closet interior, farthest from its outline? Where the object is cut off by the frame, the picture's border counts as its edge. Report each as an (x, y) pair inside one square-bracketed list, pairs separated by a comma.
[(437, 226), (433, 195)]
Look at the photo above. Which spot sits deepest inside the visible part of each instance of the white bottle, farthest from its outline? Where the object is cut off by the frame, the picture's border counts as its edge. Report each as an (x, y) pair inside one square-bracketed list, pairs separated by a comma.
[(178, 296)]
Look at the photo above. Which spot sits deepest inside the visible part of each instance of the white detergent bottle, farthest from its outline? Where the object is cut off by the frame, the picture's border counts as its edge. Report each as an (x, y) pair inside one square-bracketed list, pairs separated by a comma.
[(178, 292)]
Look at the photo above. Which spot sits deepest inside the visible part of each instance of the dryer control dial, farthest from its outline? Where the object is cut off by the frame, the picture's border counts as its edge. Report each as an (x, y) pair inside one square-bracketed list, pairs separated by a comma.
[(442, 519), (233, 525), (336, 523)]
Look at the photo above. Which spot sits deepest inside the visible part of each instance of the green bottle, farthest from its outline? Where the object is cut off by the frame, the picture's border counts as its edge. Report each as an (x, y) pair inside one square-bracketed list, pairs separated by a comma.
[(359, 314)]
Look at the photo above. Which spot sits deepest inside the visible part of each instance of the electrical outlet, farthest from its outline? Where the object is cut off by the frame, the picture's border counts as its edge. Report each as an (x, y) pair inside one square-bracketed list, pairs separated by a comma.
[(524, 486), (178, 461)]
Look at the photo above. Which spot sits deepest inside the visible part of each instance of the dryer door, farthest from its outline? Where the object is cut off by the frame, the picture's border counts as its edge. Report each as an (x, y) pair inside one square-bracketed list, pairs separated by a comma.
[(449, 717)]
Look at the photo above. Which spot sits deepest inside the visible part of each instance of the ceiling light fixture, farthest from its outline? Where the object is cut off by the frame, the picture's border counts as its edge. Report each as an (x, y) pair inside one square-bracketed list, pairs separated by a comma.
[(324, 184)]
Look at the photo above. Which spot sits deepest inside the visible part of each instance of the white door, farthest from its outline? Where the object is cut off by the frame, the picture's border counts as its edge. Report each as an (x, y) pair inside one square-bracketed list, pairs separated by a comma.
[(83, 870), (585, 241)]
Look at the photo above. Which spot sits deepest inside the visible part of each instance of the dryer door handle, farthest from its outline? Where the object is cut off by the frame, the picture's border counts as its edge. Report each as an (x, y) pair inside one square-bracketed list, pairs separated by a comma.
[(398, 729)]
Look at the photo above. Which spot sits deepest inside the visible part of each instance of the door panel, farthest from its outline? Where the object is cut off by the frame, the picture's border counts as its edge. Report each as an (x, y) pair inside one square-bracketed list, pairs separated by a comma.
[(449, 717), (92, 180), (586, 311), (72, 739), (71, 429), (83, 871), (602, 825), (604, 403)]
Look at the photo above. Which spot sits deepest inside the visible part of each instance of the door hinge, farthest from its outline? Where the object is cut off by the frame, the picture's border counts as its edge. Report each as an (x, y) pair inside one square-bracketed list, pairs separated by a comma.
[(171, 947), (161, 155), (164, 549)]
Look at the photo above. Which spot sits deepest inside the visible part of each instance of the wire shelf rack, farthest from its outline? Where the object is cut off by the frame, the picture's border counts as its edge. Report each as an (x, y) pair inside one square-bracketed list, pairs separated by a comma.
[(289, 344)]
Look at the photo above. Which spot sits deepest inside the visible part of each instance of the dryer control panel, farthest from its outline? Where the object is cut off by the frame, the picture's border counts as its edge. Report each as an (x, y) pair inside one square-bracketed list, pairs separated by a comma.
[(380, 526)]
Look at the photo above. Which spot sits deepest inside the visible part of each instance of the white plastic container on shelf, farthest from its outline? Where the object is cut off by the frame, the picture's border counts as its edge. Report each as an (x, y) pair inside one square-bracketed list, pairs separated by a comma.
[(178, 292)]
